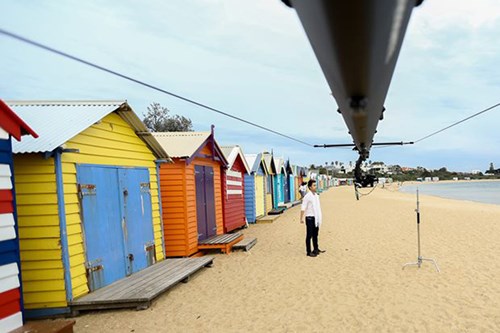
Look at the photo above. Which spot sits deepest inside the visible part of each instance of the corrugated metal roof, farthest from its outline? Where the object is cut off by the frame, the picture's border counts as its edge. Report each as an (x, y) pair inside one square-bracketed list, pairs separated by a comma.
[(231, 153), (58, 121), (181, 144)]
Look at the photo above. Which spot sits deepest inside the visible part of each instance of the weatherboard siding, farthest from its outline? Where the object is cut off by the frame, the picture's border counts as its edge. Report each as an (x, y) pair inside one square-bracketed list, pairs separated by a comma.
[(39, 233), (234, 199), (10, 282), (174, 207), (250, 209)]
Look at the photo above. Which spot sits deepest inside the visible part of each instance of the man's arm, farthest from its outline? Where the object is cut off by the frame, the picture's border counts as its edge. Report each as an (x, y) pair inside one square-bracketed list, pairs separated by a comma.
[(303, 208)]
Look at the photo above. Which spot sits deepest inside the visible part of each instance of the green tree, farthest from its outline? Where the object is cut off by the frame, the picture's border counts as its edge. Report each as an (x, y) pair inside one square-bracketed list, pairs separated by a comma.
[(157, 119)]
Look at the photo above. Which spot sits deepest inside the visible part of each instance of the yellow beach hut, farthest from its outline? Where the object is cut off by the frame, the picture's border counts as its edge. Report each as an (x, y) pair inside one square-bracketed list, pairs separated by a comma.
[(271, 172), (87, 200)]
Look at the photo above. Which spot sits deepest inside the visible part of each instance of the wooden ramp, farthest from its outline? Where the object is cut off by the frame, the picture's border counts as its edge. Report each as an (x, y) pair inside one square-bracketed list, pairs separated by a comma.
[(245, 244), (268, 219), (296, 202), (223, 242), (139, 289)]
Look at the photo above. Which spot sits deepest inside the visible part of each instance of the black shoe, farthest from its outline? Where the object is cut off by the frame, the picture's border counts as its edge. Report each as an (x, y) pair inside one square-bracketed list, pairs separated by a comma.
[(318, 252), (312, 254)]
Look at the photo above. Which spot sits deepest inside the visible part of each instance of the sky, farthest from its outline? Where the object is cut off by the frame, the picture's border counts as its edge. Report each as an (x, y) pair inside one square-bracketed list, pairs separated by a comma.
[(252, 59)]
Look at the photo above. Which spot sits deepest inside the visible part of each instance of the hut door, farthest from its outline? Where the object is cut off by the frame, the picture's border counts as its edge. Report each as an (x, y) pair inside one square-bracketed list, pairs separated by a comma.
[(117, 221), (205, 201), (138, 230), (278, 190), (286, 187), (101, 214), (259, 196)]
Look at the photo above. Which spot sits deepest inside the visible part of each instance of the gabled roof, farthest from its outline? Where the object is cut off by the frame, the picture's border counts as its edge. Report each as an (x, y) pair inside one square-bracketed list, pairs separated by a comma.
[(181, 144), (288, 167), (58, 121), (231, 153), (269, 162), (280, 165), (187, 144), (254, 161), (12, 124)]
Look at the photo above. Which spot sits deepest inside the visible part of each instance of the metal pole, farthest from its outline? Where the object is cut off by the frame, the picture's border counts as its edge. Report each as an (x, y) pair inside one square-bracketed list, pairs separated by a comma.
[(418, 227), (418, 263)]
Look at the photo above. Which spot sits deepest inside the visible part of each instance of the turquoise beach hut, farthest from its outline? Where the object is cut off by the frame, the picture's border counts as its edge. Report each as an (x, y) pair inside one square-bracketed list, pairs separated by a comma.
[(279, 183)]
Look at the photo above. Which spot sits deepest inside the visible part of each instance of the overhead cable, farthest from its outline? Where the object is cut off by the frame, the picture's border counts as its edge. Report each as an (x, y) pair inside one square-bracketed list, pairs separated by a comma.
[(126, 77), (458, 122)]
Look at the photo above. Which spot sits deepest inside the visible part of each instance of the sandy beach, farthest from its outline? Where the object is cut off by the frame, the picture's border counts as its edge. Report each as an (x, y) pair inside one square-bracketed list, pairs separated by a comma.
[(358, 285)]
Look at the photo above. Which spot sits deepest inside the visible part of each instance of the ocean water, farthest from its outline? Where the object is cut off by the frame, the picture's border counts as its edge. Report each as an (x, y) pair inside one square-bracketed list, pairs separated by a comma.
[(483, 191)]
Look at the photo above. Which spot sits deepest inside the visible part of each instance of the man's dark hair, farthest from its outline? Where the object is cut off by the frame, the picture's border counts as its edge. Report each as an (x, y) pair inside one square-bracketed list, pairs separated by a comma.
[(310, 183)]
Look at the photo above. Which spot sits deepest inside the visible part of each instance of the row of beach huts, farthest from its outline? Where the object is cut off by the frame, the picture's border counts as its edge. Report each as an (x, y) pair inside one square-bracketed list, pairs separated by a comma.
[(89, 196)]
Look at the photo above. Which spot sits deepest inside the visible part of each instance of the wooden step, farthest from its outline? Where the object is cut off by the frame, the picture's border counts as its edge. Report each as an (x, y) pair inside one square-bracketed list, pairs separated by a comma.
[(245, 244), (46, 326), (223, 242)]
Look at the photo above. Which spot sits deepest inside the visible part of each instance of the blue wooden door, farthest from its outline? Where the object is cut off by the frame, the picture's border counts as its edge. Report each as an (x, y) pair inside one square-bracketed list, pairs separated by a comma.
[(117, 221), (205, 201), (138, 220), (102, 224)]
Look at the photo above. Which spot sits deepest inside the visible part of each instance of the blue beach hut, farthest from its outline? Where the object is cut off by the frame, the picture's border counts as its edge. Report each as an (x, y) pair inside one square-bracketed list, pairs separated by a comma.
[(255, 188)]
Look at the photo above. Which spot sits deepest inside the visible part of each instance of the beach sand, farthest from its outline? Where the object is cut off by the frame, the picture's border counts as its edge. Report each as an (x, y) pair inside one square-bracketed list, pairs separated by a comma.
[(358, 285)]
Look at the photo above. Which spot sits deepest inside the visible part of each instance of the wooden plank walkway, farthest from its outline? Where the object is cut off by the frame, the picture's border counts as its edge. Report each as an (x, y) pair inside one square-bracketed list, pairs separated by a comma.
[(245, 244), (223, 242), (139, 289)]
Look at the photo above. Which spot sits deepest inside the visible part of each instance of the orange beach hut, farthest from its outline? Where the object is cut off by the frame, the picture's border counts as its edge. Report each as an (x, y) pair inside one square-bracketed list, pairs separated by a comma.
[(191, 190)]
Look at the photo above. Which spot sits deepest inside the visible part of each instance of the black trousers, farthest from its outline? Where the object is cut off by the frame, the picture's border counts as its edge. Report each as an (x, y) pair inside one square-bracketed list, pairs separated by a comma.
[(311, 234)]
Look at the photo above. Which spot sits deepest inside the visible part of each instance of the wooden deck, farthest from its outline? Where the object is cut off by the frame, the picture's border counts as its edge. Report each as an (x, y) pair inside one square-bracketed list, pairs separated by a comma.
[(223, 242), (139, 289)]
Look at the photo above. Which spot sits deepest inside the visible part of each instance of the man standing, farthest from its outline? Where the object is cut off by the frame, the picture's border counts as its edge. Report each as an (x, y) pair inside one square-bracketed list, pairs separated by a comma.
[(311, 210)]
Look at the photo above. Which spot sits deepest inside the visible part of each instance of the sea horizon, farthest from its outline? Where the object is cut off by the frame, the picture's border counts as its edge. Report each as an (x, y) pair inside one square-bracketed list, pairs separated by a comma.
[(487, 191)]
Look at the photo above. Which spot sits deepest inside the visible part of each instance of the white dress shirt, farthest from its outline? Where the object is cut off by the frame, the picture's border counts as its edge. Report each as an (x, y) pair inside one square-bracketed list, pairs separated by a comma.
[(311, 207)]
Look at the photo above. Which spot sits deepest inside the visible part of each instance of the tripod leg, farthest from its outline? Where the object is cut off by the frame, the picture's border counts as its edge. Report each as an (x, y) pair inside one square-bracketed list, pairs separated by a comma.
[(434, 262)]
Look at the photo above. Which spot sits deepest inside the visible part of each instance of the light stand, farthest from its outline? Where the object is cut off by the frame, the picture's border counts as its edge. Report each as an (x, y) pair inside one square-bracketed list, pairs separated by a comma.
[(420, 259)]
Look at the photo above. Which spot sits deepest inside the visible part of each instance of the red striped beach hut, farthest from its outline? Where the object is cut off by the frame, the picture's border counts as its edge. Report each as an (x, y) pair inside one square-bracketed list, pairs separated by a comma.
[(233, 188), (11, 304)]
